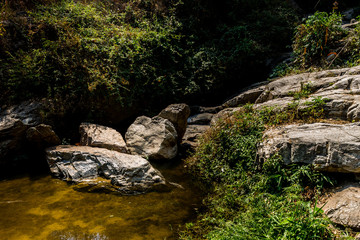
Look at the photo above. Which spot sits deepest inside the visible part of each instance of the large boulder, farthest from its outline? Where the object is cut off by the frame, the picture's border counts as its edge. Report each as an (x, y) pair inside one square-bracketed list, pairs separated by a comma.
[(340, 88), (42, 136), (100, 136), (177, 114), (343, 207), (329, 147), (129, 174), (153, 138)]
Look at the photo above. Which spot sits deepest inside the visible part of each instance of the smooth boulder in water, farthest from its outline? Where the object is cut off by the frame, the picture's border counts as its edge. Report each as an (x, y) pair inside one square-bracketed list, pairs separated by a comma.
[(128, 173)]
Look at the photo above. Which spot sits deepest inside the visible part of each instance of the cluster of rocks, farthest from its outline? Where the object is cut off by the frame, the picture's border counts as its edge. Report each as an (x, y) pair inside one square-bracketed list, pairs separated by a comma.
[(328, 147), (102, 159), (105, 158), (103, 153), (22, 125)]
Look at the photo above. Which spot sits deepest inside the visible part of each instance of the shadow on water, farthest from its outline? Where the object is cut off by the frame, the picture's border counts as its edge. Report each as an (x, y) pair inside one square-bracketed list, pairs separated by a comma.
[(41, 207)]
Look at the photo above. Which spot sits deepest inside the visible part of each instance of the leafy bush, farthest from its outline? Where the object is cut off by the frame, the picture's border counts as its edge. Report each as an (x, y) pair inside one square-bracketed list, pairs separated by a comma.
[(317, 37)]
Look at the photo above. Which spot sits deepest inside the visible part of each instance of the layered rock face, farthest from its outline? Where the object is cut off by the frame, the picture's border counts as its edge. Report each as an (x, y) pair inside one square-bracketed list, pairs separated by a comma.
[(153, 138), (100, 136), (341, 88), (329, 147), (130, 174)]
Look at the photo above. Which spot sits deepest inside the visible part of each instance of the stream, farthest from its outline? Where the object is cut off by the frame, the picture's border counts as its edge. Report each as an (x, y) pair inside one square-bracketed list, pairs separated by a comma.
[(42, 207)]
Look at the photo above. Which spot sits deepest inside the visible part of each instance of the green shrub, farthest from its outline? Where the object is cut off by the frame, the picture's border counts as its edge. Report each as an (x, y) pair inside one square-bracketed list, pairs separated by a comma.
[(316, 38)]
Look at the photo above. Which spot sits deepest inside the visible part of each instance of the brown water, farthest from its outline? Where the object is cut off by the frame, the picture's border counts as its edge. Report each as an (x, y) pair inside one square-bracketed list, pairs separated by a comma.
[(48, 208)]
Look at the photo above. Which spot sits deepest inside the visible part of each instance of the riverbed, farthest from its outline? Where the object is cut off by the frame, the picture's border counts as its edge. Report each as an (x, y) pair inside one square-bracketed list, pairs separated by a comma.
[(42, 207)]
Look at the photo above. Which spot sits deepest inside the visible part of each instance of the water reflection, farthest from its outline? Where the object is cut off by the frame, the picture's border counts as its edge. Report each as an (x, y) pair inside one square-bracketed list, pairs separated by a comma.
[(47, 208)]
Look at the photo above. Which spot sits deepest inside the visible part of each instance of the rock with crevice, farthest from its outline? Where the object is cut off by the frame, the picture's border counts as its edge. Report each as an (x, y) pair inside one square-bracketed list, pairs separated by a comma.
[(42, 136), (329, 147), (101, 136), (81, 164), (14, 122), (177, 114), (340, 88), (153, 138), (343, 207)]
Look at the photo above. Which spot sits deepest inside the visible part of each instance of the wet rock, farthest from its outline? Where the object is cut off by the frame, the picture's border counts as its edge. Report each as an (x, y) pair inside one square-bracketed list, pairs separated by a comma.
[(153, 138), (42, 136), (344, 207), (100, 136), (200, 119), (177, 114), (329, 147), (81, 164)]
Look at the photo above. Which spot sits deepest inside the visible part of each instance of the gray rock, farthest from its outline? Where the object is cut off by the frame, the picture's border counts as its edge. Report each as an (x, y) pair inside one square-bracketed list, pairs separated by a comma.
[(193, 133), (329, 147), (200, 119), (223, 114), (249, 95), (177, 114), (42, 136), (100, 136), (153, 138), (341, 88), (200, 109), (81, 164), (344, 207), (14, 122)]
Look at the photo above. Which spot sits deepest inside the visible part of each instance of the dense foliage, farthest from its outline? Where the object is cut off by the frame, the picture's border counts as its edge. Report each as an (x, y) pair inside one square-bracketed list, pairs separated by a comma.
[(249, 199), (322, 43), (135, 52), (317, 38), (87, 51)]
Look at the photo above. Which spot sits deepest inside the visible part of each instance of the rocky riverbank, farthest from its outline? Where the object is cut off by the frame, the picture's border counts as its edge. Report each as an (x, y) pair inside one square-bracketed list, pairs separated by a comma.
[(330, 143), (123, 163)]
